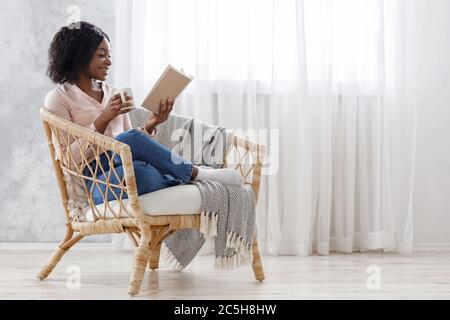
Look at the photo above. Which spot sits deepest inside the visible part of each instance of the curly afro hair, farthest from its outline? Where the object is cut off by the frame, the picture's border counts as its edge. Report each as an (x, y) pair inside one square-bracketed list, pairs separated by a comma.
[(72, 49)]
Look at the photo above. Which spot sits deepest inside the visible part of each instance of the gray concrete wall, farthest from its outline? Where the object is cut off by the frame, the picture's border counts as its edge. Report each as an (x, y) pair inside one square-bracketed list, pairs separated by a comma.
[(30, 207)]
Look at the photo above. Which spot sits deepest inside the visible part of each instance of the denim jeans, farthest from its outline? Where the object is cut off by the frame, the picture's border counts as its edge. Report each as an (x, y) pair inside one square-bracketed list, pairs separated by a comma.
[(155, 167)]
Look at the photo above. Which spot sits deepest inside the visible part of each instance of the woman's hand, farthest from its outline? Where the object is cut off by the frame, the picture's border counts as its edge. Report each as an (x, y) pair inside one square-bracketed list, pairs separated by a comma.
[(115, 106), (165, 107), (112, 110)]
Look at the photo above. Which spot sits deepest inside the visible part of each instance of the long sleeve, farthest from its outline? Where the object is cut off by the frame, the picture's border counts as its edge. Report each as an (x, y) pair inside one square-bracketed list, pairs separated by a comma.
[(55, 103), (127, 122), (69, 102)]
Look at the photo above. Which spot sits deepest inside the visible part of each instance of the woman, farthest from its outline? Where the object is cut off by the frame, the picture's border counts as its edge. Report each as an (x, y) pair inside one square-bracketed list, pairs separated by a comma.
[(79, 61)]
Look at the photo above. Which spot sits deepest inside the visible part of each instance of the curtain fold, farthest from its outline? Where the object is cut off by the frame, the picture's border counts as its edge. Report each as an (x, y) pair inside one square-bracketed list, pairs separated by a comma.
[(327, 85)]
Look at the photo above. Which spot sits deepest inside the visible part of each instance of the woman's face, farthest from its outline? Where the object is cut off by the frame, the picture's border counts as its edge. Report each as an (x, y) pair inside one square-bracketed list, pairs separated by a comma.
[(101, 61)]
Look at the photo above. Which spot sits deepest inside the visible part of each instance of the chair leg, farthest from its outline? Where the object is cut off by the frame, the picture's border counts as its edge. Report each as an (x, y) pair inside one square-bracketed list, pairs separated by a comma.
[(56, 256), (141, 256), (153, 262), (257, 264), (158, 234)]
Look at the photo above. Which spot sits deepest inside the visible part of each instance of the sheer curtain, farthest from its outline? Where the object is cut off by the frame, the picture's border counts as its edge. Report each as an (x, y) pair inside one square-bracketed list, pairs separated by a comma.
[(327, 85)]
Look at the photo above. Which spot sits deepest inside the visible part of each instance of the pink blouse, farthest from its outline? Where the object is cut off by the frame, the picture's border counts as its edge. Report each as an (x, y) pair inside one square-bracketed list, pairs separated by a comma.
[(68, 101)]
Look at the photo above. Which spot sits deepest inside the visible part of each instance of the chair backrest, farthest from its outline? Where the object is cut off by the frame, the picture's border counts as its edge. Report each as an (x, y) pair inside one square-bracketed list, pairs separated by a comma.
[(247, 157), (72, 147)]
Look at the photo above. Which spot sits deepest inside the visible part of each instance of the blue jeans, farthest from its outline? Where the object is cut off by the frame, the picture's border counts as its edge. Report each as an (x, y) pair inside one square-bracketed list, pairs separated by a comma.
[(154, 168)]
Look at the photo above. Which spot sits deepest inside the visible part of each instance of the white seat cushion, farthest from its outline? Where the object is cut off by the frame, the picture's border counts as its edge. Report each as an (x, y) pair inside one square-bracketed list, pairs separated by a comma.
[(181, 199)]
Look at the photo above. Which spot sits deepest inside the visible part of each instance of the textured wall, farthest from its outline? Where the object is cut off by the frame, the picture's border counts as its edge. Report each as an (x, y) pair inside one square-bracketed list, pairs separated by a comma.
[(30, 208)]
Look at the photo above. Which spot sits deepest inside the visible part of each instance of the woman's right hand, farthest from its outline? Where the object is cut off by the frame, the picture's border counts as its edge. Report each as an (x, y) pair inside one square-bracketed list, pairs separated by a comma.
[(112, 110), (115, 105)]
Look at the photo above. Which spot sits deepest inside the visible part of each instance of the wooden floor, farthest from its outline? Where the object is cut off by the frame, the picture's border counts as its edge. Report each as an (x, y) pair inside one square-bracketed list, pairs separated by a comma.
[(104, 274)]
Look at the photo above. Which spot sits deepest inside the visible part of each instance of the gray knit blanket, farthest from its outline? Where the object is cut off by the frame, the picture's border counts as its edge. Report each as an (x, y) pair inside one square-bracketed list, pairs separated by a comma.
[(227, 212), (194, 140), (228, 217)]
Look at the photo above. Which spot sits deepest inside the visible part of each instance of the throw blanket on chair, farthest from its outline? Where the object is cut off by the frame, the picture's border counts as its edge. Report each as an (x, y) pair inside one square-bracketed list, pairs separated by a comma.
[(227, 212), (228, 215), (196, 141)]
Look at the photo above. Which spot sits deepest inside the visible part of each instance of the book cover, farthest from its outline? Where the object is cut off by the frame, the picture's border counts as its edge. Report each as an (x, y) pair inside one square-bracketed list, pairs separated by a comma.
[(171, 83)]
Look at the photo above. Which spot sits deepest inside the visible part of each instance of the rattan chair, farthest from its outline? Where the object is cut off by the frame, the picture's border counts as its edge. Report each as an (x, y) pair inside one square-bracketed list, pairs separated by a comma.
[(146, 231)]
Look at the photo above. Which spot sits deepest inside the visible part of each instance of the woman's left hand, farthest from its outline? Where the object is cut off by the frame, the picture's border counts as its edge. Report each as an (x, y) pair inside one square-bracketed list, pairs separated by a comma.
[(165, 107)]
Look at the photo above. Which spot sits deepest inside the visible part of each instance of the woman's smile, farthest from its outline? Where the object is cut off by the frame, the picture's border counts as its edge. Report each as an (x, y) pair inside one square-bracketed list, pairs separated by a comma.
[(104, 72)]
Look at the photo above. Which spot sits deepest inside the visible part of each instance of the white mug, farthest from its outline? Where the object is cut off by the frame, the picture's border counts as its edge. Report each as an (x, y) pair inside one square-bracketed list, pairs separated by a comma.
[(122, 96)]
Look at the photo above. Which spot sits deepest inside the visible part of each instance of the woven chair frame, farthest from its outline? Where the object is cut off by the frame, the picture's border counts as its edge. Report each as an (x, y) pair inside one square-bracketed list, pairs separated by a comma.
[(144, 231)]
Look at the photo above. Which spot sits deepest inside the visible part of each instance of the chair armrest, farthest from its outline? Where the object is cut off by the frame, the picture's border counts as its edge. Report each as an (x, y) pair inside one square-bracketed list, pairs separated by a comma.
[(61, 134), (242, 149)]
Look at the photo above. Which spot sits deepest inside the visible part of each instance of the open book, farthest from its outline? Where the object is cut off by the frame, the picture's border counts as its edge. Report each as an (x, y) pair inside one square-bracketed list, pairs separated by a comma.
[(171, 83)]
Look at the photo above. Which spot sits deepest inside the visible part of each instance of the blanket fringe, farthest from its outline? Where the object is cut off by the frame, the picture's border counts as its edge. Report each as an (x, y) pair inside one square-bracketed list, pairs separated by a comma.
[(238, 243), (241, 256), (241, 248), (170, 259), (231, 262), (208, 224)]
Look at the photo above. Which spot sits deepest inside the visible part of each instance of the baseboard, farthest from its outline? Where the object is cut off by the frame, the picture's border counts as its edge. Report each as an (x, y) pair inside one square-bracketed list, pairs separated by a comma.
[(206, 250), (5, 246), (432, 246)]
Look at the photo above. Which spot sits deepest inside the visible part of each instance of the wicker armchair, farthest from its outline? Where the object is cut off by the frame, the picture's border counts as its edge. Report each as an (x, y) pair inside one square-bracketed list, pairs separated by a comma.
[(146, 229)]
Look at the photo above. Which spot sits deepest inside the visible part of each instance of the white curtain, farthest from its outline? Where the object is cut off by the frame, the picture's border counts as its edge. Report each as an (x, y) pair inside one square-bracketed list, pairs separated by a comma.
[(327, 85)]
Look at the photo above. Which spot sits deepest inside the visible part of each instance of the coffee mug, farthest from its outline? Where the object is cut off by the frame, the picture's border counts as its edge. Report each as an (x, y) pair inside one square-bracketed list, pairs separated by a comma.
[(122, 97)]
